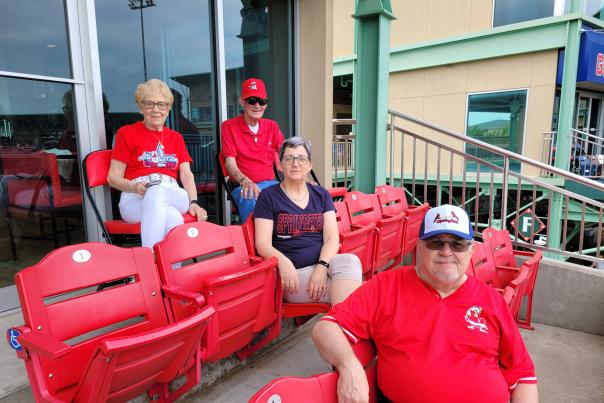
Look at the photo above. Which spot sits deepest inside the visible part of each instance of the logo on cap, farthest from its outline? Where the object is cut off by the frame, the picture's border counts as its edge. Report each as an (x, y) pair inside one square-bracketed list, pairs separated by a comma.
[(447, 218), (253, 86)]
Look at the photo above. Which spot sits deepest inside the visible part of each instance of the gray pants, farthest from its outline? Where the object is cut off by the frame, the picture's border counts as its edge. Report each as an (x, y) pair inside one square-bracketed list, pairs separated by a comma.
[(341, 267)]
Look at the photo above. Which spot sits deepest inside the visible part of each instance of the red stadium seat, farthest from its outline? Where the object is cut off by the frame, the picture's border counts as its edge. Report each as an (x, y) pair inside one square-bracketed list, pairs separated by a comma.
[(301, 312), (519, 285), (80, 344), (213, 260), (483, 265), (359, 241), (320, 388), (393, 201), (533, 265), (501, 245), (96, 168), (365, 210)]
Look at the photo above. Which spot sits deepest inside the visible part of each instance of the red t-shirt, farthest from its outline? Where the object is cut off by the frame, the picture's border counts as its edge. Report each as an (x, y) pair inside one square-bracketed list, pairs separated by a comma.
[(462, 348), (254, 153), (140, 149)]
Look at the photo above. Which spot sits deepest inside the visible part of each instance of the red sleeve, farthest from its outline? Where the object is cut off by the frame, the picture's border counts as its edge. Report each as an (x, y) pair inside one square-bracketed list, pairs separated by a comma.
[(121, 149), (227, 140), (357, 313), (183, 153), (514, 359)]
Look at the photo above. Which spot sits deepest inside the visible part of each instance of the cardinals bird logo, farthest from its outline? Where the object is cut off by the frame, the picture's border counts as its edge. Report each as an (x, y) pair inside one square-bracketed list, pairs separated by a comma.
[(475, 321)]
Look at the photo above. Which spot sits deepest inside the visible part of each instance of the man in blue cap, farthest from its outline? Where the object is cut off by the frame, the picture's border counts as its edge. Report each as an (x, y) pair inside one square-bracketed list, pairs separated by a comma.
[(441, 336)]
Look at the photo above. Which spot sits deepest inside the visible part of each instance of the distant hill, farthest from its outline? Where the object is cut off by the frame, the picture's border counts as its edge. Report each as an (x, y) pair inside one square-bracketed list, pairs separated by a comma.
[(491, 124)]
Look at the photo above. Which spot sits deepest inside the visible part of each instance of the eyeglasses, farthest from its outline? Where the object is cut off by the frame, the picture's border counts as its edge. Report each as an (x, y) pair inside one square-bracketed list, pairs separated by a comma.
[(256, 100), (149, 105), (302, 159), (438, 244)]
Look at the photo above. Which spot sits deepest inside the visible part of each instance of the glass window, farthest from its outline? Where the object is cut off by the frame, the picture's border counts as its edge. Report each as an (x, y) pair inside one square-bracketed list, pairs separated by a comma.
[(594, 8), (497, 119), (33, 38), (40, 196), (513, 11), (140, 40), (257, 43)]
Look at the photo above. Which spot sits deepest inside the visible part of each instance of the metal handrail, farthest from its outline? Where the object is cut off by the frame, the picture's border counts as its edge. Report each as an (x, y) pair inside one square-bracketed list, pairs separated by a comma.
[(506, 153), (586, 134)]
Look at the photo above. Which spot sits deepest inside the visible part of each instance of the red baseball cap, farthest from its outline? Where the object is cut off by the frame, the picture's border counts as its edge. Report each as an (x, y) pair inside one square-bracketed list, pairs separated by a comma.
[(253, 87)]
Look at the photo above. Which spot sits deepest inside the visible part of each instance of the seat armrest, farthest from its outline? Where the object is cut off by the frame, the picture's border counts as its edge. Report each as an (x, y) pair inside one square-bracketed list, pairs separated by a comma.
[(253, 269), (175, 292), (43, 344)]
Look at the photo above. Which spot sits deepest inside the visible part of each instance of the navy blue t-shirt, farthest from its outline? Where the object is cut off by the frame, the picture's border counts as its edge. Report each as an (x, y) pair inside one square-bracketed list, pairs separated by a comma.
[(297, 232)]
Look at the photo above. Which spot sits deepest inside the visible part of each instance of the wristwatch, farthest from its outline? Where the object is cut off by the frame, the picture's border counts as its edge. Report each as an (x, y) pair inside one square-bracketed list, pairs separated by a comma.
[(195, 201), (323, 263)]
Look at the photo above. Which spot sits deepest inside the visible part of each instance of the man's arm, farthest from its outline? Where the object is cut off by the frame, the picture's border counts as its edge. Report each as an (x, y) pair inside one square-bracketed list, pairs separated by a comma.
[(248, 188), (335, 349), (525, 393)]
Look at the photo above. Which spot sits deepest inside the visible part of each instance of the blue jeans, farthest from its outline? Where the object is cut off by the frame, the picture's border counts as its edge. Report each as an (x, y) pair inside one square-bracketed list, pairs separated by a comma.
[(246, 206)]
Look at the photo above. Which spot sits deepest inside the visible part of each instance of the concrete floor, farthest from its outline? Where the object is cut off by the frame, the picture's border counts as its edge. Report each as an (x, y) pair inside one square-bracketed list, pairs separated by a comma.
[(570, 367)]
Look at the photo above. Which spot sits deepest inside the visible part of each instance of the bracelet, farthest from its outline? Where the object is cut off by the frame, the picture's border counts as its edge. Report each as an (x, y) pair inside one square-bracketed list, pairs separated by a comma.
[(241, 181), (323, 263)]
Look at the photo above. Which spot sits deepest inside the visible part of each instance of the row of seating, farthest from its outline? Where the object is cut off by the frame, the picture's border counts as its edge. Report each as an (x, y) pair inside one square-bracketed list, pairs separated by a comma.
[(495, 263)]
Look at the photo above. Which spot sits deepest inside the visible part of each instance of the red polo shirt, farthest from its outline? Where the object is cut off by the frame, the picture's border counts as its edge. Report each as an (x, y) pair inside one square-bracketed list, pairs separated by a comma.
[(254, 153), (462, 348)]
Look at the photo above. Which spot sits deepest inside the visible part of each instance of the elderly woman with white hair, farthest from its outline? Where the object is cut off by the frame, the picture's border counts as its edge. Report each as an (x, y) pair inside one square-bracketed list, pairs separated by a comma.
[(296, 222), (146, 163)]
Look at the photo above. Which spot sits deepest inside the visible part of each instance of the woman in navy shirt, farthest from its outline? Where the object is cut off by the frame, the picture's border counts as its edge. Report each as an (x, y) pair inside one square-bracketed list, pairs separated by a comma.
[(295, 221)]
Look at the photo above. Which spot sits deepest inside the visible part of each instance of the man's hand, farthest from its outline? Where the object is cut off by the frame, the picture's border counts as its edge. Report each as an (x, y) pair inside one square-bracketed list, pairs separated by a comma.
[(352, 384), (249, 190), (137, 187), (197, 211), (317, 284), (289, 277)]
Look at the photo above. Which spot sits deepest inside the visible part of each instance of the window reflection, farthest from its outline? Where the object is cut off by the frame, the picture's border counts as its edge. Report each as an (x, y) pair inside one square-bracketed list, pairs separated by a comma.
[(33, 37), (40, 196), (513, 11), (497, 119)]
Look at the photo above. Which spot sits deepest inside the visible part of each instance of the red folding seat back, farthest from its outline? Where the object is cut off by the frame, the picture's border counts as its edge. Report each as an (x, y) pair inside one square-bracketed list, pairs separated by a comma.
[(533, 264), (501, 245), (393, 200), (303, 311), (519, 285), (359, 242), (84, 343), (365, 210), (414, 218), (483, 265), (214, 261)]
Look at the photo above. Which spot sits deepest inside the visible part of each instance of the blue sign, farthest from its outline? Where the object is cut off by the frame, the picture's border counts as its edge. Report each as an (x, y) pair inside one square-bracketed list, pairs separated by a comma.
[(591, 58), (11, 335)]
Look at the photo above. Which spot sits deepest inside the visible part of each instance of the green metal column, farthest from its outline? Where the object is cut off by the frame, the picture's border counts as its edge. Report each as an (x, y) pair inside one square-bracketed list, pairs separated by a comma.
[(565, 117), (370, 97)]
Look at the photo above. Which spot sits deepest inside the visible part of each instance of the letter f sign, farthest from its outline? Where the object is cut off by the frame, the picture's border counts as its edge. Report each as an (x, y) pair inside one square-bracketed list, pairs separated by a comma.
[(526, 223)]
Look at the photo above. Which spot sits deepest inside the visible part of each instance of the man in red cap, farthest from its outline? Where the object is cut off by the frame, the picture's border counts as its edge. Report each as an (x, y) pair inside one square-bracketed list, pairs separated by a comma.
[(249, 144)]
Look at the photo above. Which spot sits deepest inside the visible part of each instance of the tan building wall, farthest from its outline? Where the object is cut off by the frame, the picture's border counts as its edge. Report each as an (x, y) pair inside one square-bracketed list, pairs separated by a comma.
[(416, 21), (439, 95), (316, 82)]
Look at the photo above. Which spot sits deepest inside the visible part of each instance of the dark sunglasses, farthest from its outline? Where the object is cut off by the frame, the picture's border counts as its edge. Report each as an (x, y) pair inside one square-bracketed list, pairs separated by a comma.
[(438, 244), (256, 100)]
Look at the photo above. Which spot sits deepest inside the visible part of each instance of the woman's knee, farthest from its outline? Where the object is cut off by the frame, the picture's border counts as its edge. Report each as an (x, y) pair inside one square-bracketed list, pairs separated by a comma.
[(346, 266)]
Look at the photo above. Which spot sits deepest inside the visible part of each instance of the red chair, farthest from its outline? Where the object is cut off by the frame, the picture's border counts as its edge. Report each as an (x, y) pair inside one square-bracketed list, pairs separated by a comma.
[(501, 245), (393, 201), (80, 344), (213, 260), (35, 189), (483, 266), (533, 265), (365, 210), (359, 241), (519, 285), (321, 388), (300, 312), (96, 167)]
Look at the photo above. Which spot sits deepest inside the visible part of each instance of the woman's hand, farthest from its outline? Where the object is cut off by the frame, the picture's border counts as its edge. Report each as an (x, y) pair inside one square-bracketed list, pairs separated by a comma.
[(317, 285), (137, 187), (289, 277), (197, 211)]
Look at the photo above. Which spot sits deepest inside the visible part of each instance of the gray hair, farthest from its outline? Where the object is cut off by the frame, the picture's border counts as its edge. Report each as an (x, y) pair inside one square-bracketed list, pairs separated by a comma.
[(294, 142)]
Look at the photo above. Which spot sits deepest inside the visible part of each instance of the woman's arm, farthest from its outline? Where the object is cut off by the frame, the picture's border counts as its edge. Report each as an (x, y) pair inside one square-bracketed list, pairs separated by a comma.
[(265, 248), (317, 284), (188, 183), (116, 179)]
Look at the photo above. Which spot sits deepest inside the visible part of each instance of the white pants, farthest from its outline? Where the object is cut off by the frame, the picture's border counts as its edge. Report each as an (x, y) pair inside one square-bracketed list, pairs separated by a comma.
[(160, 210)]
